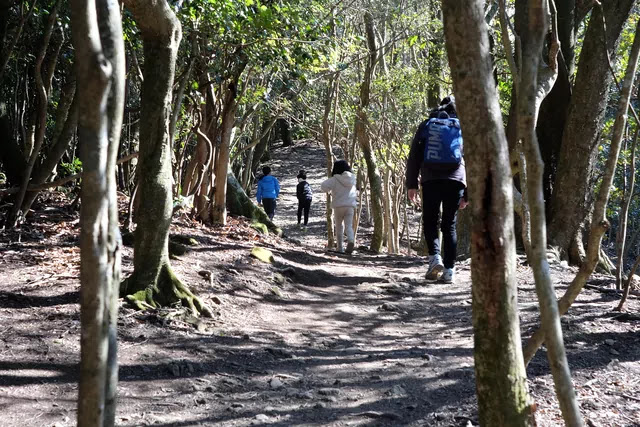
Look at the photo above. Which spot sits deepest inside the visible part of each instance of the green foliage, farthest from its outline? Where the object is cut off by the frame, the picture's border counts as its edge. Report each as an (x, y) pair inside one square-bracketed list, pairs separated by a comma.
[(71, 168)]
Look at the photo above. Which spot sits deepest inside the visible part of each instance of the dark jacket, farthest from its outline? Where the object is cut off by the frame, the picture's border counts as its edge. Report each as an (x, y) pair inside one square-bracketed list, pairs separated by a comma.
[(303, 191), (416, 168)]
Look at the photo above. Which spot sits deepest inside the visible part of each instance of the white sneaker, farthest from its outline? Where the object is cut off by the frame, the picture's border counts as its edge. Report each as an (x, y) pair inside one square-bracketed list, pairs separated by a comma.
[(435, 267), (448, 275)]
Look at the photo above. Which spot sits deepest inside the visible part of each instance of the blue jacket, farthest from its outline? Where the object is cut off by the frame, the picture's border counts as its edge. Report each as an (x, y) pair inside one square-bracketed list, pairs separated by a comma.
[(268, 188)]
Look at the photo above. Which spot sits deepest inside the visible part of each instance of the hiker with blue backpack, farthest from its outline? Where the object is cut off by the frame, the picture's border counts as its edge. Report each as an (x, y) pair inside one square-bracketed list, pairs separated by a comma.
[(436, 156)]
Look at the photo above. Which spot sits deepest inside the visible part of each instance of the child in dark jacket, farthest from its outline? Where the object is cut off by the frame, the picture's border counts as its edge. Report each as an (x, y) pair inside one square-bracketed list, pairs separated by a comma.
[(268, 191), (305, 196)]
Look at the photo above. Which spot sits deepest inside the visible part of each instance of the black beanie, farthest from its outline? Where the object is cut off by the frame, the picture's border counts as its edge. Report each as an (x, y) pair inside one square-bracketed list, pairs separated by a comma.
[(302, 174)]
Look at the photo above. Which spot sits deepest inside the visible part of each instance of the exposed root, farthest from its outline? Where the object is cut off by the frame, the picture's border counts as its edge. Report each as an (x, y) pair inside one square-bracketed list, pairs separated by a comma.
[(167, 291)]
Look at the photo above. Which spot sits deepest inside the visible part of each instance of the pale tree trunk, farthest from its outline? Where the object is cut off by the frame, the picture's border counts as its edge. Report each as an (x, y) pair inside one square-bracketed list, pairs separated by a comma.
[(219, 210), (110, 23), (332, 91), (624, 217), (362, 135), (100, 81), (570, 200), (153, 282), (387, 205), (532, 44), (599, 223), (503, 398), (436, 49)]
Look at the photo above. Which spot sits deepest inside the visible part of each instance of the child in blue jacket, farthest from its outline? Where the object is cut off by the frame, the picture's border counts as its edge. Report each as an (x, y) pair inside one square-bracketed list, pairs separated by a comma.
[(268, 190)]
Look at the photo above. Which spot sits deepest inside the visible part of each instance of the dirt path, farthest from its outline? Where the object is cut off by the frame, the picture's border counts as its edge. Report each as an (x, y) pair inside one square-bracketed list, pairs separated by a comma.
[(315, 339)]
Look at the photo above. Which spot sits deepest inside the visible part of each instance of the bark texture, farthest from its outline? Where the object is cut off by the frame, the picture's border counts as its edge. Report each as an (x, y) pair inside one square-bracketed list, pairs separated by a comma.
[(503, 398), (153, 283), (599, 223), (100, 258), (362, 135), (574, 180), (536, 32)]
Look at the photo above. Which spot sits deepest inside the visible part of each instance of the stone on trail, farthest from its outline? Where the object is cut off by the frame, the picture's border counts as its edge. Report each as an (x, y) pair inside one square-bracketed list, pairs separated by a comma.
[(276, 383), (277, 292), (262, 254), (262, 418), (260, 227)]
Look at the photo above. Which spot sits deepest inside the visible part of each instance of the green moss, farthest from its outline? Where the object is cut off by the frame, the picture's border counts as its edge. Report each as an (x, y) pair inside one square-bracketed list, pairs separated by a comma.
[(260, 227), (262, 254), (167, 291)]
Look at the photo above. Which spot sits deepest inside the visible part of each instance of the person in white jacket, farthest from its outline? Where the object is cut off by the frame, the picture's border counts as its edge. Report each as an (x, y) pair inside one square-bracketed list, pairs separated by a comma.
[(342, 185)]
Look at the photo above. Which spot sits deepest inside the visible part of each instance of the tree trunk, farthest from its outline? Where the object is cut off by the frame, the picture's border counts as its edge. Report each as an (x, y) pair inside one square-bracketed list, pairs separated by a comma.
[(67, 118), (101, 93), (362, 135), (219, 210), (110, 23), (332, 89), (41, 118), (503, 398), (533, 40), (285, 132), (153, 282), (624, 215), (570, 201), (599, 223)]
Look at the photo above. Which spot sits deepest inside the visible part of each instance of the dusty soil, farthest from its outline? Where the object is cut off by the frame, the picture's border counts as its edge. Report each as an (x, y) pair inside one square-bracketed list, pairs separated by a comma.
[(315, 338)]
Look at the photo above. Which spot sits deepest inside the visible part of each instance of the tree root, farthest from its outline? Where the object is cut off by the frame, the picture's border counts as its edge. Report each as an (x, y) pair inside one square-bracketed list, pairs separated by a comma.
[(167, 291)]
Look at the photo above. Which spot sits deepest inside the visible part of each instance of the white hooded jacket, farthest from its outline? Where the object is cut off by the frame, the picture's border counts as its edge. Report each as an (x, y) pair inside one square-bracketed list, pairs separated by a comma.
[(343, 189)]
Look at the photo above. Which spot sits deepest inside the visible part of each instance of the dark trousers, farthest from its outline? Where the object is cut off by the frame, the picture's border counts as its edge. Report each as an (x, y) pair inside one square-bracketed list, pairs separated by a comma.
[(304, 205), (269, 207), (445, 192)]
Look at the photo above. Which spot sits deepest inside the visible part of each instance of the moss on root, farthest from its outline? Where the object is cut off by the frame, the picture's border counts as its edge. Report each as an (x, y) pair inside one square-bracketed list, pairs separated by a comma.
[(167, 291)]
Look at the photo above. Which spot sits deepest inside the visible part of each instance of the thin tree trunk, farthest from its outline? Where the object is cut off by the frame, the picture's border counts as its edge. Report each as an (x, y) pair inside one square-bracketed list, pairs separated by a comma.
[(219, 211), (99, 238), (503, 398), (624, 215), (537, 253), (110, 23), (67, 117), (362, 135), (627, 285), (332, 92)]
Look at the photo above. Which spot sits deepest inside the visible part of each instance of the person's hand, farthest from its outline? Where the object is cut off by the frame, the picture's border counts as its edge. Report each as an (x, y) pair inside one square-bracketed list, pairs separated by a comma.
[(413, 195), (463, 204)]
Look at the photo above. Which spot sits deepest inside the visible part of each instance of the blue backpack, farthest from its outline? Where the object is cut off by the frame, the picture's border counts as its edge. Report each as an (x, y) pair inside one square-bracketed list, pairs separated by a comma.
[(442, 143)]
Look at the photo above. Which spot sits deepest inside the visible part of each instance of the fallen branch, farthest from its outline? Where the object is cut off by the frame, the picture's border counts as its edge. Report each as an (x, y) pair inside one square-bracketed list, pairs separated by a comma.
[(61, 181)]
